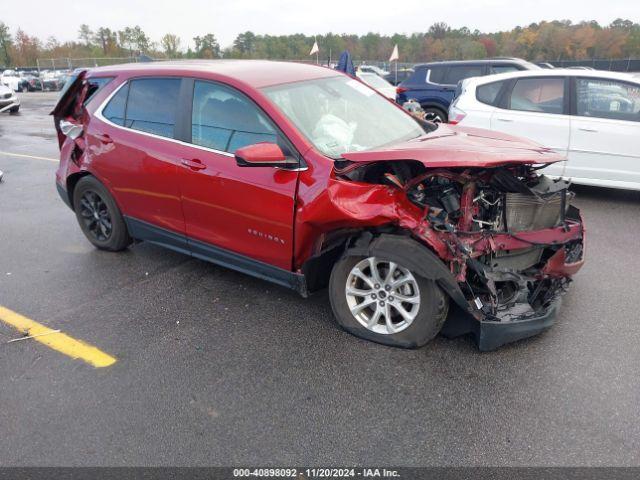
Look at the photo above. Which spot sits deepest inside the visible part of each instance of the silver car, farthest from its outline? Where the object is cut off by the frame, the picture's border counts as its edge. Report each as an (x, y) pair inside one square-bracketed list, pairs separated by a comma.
[(8, 100)]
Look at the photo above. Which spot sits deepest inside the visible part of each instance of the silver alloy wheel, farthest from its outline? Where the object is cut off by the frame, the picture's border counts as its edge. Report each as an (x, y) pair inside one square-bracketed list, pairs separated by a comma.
[(383, 296)]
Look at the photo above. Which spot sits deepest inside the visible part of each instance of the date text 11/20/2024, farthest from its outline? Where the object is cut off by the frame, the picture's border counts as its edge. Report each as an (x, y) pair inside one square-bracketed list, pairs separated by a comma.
[(315, 472)]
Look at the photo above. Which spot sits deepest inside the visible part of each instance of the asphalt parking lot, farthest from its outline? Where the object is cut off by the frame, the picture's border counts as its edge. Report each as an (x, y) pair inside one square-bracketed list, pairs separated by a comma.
[(217, 368)]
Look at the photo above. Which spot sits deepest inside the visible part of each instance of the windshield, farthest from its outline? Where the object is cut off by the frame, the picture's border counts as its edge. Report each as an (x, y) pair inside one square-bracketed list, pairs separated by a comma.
[(340, 115)]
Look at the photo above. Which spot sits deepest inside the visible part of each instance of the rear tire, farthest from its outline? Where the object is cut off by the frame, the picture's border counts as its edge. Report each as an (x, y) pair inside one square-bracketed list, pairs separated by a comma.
[(435, 115), (408, 315), (98, 215)]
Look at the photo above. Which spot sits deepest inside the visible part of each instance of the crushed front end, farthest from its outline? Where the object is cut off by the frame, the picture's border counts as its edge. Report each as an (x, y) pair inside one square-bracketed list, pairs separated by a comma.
[(508, 235), (512, 240)]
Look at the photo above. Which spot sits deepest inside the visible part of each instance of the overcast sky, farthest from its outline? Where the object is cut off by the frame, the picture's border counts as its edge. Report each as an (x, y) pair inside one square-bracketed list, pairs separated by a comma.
[(188, 18)]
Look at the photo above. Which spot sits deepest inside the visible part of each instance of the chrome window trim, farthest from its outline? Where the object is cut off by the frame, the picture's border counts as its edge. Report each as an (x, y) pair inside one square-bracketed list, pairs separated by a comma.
[(435, 83), (98, 114), (428, 79), (102, 118)]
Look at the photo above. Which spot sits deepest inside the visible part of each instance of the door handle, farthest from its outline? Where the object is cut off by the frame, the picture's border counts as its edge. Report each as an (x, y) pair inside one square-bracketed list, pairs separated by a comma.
[(504, 119), (104, 138), (193, 164), (590, 130)]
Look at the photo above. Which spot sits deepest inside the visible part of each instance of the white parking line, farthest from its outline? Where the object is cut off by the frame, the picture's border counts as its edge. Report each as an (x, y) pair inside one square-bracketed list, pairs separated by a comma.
[(35, 157)]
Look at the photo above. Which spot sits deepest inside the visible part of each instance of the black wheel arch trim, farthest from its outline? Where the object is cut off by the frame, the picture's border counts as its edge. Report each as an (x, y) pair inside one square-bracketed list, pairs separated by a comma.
[(433, 105), (64, 195), (462, 319), (73, 179), (440, 108), (408, 251)]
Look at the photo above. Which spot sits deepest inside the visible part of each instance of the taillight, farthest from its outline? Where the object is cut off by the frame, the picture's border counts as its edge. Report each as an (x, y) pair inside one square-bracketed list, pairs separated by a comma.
[(456, 115), (400, 90)]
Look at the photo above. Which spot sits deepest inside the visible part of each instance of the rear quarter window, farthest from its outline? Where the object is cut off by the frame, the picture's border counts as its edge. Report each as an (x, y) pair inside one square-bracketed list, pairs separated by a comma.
[(95, 85), (416, 77), (436, 74), (114, 111), (488, 93)]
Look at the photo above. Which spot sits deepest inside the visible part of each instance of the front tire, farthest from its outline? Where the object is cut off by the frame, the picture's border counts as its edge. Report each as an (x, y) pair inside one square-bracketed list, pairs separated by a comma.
[(98, 216), (379, 300), (14, 109)]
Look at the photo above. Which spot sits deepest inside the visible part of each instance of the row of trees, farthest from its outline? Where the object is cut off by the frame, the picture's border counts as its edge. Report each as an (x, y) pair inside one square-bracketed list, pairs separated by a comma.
[(557, 40), (22, 49)]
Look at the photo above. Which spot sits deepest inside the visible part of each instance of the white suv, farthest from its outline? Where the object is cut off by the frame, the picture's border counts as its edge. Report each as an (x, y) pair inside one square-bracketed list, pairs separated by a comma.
[(591, 117)]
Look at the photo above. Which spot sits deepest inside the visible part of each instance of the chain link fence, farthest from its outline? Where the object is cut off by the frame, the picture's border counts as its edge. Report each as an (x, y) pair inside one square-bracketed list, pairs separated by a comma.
[(615, 65), (72, 63)]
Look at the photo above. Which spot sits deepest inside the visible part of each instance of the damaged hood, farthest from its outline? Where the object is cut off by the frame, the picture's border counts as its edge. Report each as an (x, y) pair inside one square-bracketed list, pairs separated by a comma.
[(454, 146)]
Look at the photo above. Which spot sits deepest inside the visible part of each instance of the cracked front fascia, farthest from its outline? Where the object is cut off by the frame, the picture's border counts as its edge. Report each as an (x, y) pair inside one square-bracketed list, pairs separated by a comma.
[(346, 204)]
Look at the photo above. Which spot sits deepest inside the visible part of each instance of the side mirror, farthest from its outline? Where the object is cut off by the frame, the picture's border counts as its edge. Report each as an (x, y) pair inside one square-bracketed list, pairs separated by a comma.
[(263, 155)]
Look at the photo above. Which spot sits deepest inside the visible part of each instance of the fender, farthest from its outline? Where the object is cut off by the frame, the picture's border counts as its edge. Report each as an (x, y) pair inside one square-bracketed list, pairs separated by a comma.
[(407, 251)]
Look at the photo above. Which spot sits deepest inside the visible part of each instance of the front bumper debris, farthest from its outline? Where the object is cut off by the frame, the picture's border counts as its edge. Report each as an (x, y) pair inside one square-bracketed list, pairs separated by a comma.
[(490, 335)]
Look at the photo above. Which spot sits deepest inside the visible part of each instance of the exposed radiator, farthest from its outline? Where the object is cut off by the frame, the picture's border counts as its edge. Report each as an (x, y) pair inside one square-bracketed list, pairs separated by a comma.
[(528, 212)]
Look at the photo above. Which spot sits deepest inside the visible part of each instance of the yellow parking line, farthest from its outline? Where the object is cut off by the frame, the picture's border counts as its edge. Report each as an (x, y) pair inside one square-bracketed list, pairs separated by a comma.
[(22, 155), (71, 347)]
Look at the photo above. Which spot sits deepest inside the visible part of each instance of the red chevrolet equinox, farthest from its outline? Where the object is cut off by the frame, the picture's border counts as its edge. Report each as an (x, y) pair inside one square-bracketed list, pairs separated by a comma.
[(306, 177)]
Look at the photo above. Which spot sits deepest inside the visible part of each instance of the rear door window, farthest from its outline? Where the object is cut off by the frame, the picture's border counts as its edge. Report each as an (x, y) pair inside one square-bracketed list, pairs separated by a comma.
[(607, 99), (544, 95), (225, 119), (460, 72), (488, 93), (152, 105)]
